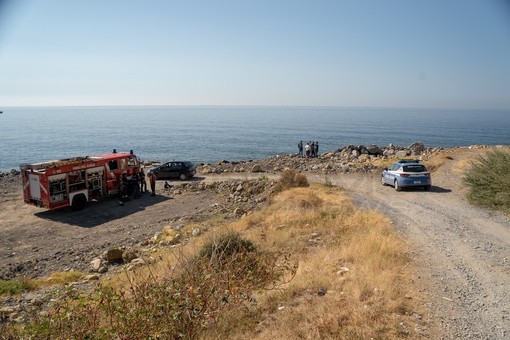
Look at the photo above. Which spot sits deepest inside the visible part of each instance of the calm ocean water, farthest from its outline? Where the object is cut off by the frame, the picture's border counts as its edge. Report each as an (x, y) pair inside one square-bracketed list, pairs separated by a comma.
[(209, 134)]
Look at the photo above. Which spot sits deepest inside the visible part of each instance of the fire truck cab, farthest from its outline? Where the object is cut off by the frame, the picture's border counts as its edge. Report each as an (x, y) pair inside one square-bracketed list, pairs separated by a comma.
[(75, 181)]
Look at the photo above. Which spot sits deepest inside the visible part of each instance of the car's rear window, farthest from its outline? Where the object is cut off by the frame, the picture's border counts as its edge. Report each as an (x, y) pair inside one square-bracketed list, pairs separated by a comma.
[(189, 164), (414, 168)]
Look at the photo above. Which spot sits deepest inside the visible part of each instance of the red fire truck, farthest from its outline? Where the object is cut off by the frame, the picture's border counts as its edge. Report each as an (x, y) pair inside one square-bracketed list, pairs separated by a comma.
[(75, 181)]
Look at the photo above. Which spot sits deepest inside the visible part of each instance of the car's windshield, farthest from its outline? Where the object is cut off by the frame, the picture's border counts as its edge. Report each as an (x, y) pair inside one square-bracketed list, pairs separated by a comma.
[(414, 168)]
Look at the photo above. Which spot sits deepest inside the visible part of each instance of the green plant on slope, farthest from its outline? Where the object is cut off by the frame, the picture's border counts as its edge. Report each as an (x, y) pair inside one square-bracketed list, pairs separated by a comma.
[(489, 181)]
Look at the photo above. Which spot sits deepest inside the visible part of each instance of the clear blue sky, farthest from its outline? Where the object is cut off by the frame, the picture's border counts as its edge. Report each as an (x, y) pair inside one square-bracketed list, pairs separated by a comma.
[(391, 53)]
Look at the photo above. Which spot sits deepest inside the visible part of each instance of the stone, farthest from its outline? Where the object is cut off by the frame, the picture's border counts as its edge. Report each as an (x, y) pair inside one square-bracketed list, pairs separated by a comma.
[(129, 255), (401, 154), (239, 211), (91, 277), (417, 147), (95, 264), (256, 168), (138, 262), (6, 311), (114, 255), (157, 235), (196, 231), (374, 149), (342, 271)]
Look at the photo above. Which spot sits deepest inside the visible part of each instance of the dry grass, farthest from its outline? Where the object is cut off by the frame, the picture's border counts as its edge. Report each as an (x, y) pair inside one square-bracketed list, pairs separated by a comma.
[(351, 255), (368, 301)]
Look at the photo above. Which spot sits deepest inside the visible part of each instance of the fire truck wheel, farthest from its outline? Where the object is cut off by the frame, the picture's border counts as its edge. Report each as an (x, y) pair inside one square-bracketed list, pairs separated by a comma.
[(182, 177), (79, 202)]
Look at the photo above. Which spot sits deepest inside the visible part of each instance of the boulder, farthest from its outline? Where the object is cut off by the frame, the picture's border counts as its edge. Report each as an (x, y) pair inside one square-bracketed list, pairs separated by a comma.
[(256, 168), (401, 154), (114, 255), (374, 149), (417, 147)]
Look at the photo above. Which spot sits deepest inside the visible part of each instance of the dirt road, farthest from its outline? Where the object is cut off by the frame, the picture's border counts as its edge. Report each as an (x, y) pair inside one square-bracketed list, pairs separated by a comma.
[(462, 253)]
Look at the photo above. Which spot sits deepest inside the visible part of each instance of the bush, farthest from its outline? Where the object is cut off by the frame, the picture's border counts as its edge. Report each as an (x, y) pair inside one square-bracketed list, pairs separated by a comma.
[(226, 246), (14, 286), (489, 181), (291, 179), (195, 295)]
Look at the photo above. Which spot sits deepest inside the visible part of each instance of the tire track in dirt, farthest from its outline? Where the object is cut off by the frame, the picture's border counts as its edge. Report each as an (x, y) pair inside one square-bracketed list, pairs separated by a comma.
[(461, 251)]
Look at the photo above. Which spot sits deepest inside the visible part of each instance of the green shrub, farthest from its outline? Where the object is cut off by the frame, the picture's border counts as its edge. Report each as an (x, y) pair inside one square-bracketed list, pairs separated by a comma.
[(14, 286), (488, 180)]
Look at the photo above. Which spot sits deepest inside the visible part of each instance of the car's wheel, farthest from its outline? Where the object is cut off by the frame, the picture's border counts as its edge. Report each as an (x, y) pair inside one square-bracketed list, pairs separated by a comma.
[(397, 186), (182, 177), (79, 202), (383, 183), (427, 187)]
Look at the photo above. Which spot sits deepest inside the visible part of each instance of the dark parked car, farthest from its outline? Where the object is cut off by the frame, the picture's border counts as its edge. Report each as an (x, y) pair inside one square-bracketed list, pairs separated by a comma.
[(174, 169)]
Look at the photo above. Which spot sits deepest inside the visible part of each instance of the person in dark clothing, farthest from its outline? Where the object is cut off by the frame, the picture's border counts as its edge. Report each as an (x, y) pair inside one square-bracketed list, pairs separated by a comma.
[(143, 183), (123, 189), (135, 179), (316, 149), (300, 148)]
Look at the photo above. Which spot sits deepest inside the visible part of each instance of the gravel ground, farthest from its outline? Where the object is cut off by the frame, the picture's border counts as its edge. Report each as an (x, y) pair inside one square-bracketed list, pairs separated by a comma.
[(461, 253)]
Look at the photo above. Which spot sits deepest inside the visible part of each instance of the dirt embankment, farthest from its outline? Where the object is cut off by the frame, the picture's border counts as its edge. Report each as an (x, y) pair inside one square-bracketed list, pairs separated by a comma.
[(461, 253)]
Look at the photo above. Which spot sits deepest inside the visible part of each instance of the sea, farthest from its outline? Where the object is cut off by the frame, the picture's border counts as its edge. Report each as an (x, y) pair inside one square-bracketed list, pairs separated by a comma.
[(208, 134)]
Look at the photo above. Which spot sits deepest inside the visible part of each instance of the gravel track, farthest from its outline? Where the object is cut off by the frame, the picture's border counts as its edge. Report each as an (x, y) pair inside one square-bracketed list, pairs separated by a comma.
[(461, 252)]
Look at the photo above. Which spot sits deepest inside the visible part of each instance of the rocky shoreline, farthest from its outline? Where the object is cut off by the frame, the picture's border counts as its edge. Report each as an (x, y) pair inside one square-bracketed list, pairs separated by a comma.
[(348, 159)]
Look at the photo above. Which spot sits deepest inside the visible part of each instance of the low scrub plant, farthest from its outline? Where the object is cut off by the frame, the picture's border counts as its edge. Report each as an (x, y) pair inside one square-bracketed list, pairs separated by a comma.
[(194, 295), (488, 180), (12, 287), (291, 179)]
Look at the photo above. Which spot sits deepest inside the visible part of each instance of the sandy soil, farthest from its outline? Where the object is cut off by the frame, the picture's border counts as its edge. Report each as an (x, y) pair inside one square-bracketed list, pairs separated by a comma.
[(461, 253)]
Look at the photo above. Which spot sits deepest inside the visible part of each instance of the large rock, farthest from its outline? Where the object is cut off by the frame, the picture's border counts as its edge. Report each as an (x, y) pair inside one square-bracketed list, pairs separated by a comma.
[(401, 154), (114, 255), (256, 168), (417, 147), (374, 149)]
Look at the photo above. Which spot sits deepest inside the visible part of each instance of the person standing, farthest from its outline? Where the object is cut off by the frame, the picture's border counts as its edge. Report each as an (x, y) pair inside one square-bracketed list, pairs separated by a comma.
[(143, 183), (316, 149), (307, 150), (152, 180), (300, 148), (136, 184)]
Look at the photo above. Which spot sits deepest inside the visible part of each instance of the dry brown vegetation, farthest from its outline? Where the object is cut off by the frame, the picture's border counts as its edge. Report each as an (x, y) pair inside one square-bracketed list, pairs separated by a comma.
[(309, 265), (352, 255)]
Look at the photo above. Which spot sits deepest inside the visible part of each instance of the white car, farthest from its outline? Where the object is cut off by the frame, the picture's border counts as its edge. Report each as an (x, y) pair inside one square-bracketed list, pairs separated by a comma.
[(406, 173)]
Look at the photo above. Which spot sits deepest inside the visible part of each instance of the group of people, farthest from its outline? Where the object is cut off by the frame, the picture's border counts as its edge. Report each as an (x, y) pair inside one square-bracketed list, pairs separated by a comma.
[(135, 185), (310, 149)]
